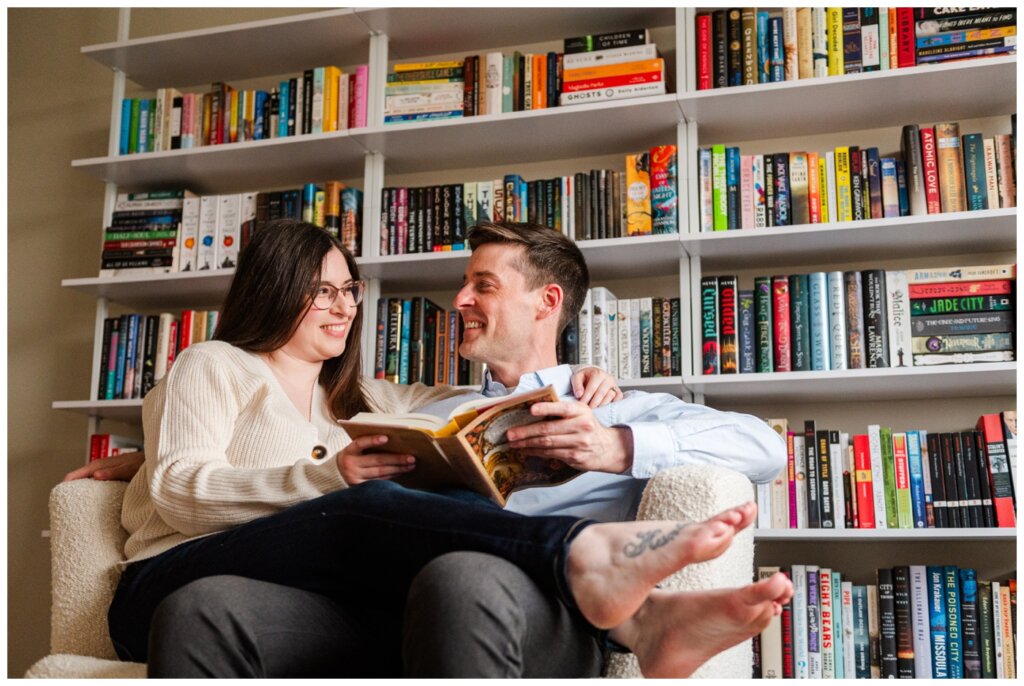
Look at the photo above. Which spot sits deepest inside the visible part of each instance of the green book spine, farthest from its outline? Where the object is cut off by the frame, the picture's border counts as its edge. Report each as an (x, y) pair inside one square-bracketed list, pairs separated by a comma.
[(133, 132), (507, 83), (901, 470), (719, 188), (889, 474)]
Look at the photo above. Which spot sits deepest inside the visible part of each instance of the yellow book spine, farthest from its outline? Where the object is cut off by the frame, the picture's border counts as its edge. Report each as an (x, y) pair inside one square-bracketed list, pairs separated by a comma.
[(330, 108), (638, 195), (319, 199), (844, 194), (416, 66), (813, 188), (823, 189), (952, 190), (624, 69), (233, 124), (834, 29)]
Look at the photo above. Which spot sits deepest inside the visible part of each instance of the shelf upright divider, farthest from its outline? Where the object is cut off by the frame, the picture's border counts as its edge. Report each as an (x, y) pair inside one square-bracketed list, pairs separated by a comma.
[(685, 38), (378, 67)]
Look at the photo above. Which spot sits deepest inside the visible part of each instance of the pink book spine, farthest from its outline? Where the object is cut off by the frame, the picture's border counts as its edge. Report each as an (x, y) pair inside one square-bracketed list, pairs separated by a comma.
[(747, 191), (403, 220), (362, 86), (791, 471)]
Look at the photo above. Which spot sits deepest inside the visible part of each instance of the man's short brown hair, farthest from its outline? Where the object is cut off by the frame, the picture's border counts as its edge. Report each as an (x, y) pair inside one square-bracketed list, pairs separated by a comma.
[(548, 257)]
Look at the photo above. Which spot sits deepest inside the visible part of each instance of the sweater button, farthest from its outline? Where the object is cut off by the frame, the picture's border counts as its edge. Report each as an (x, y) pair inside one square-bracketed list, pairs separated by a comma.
[(319, 452)]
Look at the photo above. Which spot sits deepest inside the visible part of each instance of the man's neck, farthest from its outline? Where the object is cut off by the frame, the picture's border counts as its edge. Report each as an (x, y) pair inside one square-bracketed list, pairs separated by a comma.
[(508, 374)]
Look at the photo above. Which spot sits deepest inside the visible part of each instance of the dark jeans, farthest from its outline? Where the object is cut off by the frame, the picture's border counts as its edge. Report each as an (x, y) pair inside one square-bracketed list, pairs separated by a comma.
[(361, 547)]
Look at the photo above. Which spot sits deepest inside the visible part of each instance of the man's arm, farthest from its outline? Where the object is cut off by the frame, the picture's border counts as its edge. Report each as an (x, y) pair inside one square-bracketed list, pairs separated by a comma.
[(120, 467), (663, 432)]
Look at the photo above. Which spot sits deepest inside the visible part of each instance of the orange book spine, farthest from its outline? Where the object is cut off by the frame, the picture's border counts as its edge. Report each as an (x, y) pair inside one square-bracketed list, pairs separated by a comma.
[(639, 67)]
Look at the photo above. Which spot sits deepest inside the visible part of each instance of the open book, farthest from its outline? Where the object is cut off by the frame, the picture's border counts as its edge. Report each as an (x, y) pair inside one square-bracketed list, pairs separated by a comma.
[(468, 449)]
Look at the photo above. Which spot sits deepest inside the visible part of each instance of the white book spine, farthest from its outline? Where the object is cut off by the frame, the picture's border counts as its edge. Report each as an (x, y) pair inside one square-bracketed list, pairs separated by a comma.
[(615, 93), (991, 175), (495, 67), (206, 252), (800, 656), (622, 323), (836, 452), (188, 237), (819, 41), (771, 637), (836, 321), (997, 623), (780, 500), (228, 230), (163, 343), (800, 463), (317, 120), (611, 336), (789, 43), (838, 626), (586, 328), (877, 478), (707, 222), (759, 199), (566, 199), (830, 185), (898, 302), (343, 92), (764, 505), (849, 665), (634, 337), (746, 191), (920, 621)]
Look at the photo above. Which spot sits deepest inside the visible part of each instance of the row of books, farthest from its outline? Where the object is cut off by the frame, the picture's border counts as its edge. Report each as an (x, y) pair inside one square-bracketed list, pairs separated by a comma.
[(108, 445), (630, 338), (745, 46), (418, 342), (937, 170), (601, 203), (858, 319), (138, 349), (319, 100), (143, 232), (886, 479), (591, 68), (916, 621)]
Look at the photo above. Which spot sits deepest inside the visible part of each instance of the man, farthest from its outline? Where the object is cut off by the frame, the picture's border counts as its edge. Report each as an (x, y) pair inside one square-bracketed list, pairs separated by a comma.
[(522, 285)]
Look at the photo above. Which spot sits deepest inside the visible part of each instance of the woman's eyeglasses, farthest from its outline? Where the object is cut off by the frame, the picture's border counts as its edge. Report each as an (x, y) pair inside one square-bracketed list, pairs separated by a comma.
[(326, 293)]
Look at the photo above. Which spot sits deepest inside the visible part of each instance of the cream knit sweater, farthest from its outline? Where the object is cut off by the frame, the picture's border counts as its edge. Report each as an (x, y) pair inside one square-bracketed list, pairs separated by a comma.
[(225, 445)]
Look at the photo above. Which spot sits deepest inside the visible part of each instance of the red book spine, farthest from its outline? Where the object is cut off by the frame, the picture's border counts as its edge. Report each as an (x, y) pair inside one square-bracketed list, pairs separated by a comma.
[(788, 657), (172, 345), (952, 290), (930, 162), (780, 322), (865, 495), (991, 428), (185, 330), (95, 449), (704, 52), (791, 474), (906, 49)]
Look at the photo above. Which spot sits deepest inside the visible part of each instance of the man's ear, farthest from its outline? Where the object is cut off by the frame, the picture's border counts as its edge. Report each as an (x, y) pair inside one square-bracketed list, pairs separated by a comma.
[(552, 297)]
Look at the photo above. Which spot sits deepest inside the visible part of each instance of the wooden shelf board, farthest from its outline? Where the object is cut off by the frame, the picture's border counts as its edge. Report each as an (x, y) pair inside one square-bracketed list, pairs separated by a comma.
[(984, 87), (915, 236), (118, 410), (951, 381)]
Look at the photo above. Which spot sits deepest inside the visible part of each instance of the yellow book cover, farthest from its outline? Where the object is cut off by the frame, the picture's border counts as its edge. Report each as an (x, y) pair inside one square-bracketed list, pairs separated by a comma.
[(199, 326), (468, 448), (638, 195), (250, 115), (804, 41), (823, 183), (952, 190), (844, 194), (330, 114), (417, 66), (233, 124), (813, 188), (319, 199), (893, 40), (624, 69), (834, 29)]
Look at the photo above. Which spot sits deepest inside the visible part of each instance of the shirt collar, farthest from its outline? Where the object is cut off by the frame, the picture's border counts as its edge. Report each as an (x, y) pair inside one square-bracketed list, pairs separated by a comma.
[(560, 377)]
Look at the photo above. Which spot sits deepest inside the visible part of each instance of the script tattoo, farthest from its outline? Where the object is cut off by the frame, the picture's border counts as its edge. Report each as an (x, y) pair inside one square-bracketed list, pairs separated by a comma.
[(651, 540)]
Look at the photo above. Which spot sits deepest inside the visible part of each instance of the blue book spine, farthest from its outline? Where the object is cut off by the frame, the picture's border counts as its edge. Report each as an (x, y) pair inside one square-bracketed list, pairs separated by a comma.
[(423, 116), (282, 110), (308, 201), (403, 364), (746, 334), (799, 326), (890, 204), (126, 126), (837, 623), (861, 639), (143, 125), (732, 185), (111, 372), (974, 171), (129, 358), (122, 345), (777, 53), (916, 478), (258, 103), (938, 623), (901, 184), (764, 62), (969, 623), (952, 592), (819, 324)]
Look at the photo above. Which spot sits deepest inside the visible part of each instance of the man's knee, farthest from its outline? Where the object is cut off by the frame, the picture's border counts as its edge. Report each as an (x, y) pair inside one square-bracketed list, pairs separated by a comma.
[(468, 585)]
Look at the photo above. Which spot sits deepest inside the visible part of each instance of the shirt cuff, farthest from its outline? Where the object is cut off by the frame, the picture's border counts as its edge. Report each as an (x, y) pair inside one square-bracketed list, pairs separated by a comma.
[(649, 441)]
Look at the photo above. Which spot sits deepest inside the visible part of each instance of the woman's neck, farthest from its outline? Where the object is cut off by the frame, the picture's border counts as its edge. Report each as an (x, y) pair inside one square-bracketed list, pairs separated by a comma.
[(297, 377)]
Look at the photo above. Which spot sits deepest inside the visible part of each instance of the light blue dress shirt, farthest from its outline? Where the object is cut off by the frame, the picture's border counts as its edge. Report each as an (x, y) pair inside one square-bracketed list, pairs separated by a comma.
[(667, 432)]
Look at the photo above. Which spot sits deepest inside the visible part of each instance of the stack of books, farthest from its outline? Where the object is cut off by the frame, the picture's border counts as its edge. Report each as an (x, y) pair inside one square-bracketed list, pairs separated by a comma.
[(143, 233), (912, 621), (745, 46), (423, 91), (108, 445), (611, 66)]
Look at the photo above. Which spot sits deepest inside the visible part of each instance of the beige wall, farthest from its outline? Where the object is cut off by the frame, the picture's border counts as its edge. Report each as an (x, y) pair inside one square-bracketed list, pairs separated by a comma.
[(58, 111)]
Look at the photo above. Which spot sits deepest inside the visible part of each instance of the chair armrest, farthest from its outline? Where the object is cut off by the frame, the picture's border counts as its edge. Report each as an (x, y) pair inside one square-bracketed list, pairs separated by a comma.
[(692, 494), (86, 545)]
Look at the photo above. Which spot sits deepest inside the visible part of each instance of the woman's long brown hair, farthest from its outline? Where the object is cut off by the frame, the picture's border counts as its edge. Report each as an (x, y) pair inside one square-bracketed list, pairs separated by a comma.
[(270, 294)]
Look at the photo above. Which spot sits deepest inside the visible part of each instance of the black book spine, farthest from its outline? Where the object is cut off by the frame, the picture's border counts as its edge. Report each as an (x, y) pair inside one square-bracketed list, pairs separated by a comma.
[(149, 355), (380, 348), (876, 320), (438, 231), (974, 499), (988, 517), (949, 480), (800, 326), (986, 634), (969, 634), (769, 189), (782, 199), (457, 219), (108, 330), (887, 624), (938, 481), (856, 183), (734, 32), (960, 469), (677, 368), (423, 238), (813, 479), (594, 205), (720, 46), (293, 91), (904, 625), (827, 507), (307, 101)]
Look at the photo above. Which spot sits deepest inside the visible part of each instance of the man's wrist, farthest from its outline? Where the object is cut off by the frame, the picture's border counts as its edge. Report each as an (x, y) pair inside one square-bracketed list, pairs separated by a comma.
[(624, 437)]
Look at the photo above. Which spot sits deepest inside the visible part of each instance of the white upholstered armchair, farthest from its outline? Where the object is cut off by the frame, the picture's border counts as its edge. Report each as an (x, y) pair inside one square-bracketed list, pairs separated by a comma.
[(87, 542)]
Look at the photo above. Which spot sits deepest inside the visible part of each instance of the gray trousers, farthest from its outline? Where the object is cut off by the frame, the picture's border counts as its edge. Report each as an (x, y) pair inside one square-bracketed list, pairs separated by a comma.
[(466, 615)]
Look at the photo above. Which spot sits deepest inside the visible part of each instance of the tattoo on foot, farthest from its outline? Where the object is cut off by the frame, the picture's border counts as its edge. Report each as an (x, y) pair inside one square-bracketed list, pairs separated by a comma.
[(651, 540)]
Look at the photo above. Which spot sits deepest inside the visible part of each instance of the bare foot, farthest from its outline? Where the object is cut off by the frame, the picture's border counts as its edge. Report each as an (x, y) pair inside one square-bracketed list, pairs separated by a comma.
[(613, 567), (674, 633)]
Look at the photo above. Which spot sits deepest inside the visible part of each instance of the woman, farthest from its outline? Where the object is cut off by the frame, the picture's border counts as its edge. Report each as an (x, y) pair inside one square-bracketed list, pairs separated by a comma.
[(248, 472)]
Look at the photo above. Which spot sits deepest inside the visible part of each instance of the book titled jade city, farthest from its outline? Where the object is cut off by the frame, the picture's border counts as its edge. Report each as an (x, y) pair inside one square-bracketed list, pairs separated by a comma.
[(467, 449)]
